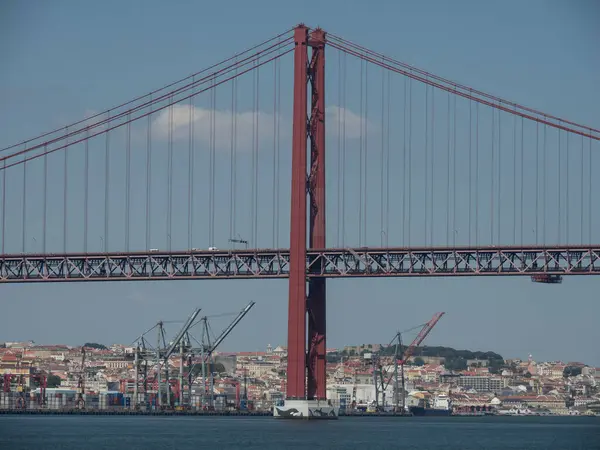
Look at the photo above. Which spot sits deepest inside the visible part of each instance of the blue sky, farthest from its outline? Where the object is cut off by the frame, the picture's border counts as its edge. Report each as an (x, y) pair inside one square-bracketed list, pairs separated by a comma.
[(66, 58)]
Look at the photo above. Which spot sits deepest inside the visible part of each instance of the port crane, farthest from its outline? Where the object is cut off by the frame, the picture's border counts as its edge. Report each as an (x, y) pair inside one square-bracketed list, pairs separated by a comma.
[(156, 359), (207, 347), (80, 402), (144, 352), (381, 382)]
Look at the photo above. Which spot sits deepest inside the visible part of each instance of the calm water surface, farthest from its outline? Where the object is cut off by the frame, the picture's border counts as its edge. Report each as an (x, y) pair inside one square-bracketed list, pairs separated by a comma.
[(150, 433)]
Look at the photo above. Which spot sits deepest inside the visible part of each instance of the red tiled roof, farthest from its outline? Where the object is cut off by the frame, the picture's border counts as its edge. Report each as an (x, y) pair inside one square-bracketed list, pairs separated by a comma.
[(9, 357), (251, 353)]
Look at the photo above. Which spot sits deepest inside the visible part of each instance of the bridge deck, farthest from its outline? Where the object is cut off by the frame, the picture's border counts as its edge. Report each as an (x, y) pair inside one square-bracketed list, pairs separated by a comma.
[(274, 263)]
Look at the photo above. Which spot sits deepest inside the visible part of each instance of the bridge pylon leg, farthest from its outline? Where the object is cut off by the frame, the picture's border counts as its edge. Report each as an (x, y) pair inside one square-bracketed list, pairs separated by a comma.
[(317, 291), (306, 377)]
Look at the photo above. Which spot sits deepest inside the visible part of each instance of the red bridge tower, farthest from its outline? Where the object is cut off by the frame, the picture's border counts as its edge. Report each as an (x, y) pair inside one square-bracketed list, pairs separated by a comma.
[(306, 376)]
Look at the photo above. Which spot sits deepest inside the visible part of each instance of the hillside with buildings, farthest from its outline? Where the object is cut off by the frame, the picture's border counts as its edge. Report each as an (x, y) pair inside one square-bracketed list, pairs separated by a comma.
[(257, 379)]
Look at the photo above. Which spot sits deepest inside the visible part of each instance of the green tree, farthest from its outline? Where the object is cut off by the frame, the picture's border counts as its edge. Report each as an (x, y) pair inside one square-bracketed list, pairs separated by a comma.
[(419, 361), (571, 371), (495, 366), (53, 381), (456, 364)]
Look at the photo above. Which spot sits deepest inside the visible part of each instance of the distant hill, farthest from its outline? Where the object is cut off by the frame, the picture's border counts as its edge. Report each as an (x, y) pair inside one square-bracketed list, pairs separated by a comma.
[(451, 353), (454, 359)]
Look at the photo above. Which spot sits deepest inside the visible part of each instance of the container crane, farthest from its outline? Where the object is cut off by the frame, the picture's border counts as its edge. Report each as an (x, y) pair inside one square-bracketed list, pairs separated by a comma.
[(80, 402), (207, 347), (160, 355), (178, 342), (425, 330)]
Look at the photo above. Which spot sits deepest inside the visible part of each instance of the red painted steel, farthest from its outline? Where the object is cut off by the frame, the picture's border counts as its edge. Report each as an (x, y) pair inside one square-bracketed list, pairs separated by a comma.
[(296, 369), (316, 379)]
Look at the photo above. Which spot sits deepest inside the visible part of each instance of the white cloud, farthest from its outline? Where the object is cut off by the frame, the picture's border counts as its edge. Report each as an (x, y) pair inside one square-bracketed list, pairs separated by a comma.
[(201, 117), (352, 122)]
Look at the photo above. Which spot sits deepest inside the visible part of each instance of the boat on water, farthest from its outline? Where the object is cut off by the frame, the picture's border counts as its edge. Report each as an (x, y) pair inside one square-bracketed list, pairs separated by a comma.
[(441, 407)]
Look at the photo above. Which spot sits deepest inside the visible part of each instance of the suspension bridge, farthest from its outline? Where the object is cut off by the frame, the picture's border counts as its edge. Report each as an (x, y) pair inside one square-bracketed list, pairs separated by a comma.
[(425, 177)]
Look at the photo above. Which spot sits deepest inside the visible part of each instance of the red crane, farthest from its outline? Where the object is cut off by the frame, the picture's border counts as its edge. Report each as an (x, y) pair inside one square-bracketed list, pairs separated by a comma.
[(385, 380), (408, 353), (421, 336)]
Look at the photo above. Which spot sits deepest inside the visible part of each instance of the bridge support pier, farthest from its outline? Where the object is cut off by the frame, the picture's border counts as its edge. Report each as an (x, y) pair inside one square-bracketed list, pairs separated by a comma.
[(306, 375)]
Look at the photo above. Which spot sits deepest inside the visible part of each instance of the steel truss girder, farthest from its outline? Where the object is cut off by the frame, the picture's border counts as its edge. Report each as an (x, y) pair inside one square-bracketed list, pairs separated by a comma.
[(274, 263)]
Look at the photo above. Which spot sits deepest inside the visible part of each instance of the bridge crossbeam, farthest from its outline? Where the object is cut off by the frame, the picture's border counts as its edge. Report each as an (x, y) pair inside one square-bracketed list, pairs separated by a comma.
[(274, 263)]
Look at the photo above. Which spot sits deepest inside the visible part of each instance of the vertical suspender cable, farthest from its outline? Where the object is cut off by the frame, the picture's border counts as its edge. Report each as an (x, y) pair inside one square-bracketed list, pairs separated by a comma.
[(383, 123), (255, 180), (170, 176), (581, 180), (339, 149), (4, 207), (522, 176), (515, 179), (387, 173), (432, 163), (454, 230), (45, 211), (148, 174), (231, 174), (252, 177), (233, 157), (544, 176), (366, 122), (214, 167), (590, 191), (23, 205), (537, 178), (405, 168), (448, 176), (277, 190), (256, 167), (127, 183), (274, 186), (470, 168), (86, 192), (106, 185), (492, 165), (408, 241), (567, 192), (24, 222), (476, 174), (191, 129), (213, 159), (499, 174), (426, 190), (344, 79), (65, 191), (360, 165), (559, 161), (211, 119)]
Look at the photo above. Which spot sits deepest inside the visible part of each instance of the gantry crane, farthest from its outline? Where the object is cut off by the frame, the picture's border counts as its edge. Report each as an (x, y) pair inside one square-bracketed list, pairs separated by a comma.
[(207, 347), (382, 383), (80, 402)]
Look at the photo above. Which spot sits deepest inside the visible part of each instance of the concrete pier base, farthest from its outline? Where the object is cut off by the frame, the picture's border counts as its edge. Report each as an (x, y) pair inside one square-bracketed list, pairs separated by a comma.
[(306, 410)]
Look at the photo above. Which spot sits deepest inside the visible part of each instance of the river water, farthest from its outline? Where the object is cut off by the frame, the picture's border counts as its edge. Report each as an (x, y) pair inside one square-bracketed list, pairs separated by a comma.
[(153, 433)]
